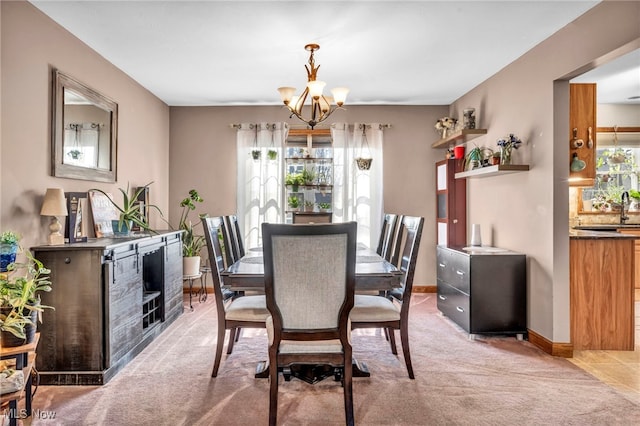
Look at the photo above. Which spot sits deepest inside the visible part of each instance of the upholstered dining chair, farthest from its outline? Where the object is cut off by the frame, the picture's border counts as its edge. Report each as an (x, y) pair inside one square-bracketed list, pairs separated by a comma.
[(309, 273), (232, 237), (233, 312), (391, 312)]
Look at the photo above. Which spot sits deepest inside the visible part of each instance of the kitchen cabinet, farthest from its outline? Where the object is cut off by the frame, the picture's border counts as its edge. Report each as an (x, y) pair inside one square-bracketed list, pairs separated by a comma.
[(309, 152), (636, 254), (112, 297), (582, 129), (451, 204), (601, 269), (484, 292)]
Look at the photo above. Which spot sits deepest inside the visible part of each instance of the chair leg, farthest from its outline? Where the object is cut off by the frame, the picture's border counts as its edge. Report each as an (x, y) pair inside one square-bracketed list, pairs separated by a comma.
[(232, 339), (273, 391), (238, 333), (219, 345), (392, 340), (404, 337), (347, 384)]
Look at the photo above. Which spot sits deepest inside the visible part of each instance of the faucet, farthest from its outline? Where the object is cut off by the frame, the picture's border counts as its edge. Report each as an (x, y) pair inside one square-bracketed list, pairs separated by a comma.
[(624, 201)]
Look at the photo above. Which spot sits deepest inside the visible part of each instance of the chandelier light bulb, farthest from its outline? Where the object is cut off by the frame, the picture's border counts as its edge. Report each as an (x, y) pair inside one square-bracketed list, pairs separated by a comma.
[(340, 95), (316, 88)]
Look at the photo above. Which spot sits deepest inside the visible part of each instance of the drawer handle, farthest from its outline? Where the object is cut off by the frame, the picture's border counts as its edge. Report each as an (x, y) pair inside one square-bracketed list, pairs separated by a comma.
[(460, 273), (441, 297), (442, 265), (459, 309)]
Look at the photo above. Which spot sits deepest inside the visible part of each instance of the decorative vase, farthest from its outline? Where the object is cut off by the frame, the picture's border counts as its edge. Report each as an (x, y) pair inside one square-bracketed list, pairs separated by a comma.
[(121, 229), (505, 155), (7, 255), (191, 265)]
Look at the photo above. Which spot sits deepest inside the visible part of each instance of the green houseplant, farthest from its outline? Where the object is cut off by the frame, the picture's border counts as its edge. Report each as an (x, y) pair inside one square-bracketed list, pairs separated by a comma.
[(192, 244), (293, 202), (130, 210), (20, 289), (294, 180)]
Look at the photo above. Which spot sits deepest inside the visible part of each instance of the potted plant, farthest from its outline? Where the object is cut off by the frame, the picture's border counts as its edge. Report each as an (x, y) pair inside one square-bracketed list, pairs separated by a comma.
[(294, 203), (20, 303), (635, 196), (130, 212), (272, 154), (255, 154), (308, 206), (324, 207), (294, 180), (308, 176), (8, 249), (473, 159), (192, 244)]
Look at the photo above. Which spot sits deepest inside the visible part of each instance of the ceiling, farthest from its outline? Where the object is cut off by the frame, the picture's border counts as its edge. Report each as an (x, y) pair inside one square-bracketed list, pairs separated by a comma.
[(239, 52)]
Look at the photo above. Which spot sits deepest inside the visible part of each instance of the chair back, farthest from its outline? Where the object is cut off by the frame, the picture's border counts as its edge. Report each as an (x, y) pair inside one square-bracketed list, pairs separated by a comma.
[(396, 245), (233, 240), (387, 231), (309, 273), (212, 228), (409, 237)]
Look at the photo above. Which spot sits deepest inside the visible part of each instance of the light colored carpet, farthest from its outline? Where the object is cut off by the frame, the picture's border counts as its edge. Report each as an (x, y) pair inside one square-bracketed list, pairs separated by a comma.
[(488, 381)]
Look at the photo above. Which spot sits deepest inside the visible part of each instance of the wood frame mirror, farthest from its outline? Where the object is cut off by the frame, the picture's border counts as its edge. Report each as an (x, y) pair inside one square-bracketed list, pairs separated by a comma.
[(84, 131)]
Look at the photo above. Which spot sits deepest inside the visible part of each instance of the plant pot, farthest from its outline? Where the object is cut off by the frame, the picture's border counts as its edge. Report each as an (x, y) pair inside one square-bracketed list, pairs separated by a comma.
[(363, 163), (255, 154), (191, 265), (7, 255), (121, 229), (272, 154), (9, 340)]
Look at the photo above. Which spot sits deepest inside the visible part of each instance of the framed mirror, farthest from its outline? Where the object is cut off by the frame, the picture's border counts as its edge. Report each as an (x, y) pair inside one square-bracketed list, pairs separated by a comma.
[(84, 127)]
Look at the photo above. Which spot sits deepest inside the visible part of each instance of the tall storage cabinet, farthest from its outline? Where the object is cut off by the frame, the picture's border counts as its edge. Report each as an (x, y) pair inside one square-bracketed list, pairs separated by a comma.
[(451, 205), (484, 293)]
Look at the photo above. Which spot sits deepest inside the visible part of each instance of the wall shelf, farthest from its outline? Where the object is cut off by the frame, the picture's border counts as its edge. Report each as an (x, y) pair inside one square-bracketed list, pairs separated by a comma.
[(459, 137), (493, 170)]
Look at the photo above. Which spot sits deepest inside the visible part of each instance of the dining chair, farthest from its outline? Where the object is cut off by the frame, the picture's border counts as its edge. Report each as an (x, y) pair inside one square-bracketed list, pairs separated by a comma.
[(391, 311), (234, 312), (387, 232), (309, 273), (233, 240)]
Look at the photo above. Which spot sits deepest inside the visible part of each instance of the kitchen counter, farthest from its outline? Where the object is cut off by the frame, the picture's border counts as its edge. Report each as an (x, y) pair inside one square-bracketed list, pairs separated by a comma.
[(605, 233)]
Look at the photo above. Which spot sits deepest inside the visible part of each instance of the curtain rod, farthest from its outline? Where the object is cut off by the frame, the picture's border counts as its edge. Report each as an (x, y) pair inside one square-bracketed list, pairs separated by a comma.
[(382, 126)]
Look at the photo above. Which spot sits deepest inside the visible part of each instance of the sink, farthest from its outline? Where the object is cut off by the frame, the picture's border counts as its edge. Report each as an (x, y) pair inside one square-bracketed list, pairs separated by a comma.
[(484, 249)]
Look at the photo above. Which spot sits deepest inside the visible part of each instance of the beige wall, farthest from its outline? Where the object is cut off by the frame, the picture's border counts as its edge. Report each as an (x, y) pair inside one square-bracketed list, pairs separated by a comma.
[(32, 44), (528, 212), (203, 157)]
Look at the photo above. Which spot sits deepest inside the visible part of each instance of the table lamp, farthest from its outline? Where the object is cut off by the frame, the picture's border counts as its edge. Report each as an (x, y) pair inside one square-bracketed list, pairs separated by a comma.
[(54, 205)]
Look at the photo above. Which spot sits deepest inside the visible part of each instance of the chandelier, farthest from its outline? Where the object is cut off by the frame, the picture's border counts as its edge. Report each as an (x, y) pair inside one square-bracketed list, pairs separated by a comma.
[(321, 107)]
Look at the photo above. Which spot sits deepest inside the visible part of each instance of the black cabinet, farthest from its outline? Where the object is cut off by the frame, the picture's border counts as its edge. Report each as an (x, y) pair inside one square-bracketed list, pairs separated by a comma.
[(484, 292), (112, 296)]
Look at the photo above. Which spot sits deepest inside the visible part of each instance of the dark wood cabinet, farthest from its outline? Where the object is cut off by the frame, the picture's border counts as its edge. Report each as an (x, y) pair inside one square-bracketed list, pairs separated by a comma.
[(484, 293), (111, 296), (451, 204)]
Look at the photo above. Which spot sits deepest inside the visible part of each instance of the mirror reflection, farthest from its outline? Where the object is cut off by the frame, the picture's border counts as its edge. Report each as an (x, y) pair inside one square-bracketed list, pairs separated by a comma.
[(84, 132)]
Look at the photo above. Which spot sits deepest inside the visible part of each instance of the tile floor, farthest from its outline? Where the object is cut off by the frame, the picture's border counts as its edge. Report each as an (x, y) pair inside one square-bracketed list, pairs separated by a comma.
[(619, 369)]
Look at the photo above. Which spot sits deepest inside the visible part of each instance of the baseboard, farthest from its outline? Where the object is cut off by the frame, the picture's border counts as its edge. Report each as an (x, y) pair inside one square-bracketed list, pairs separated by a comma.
[(562, 350), (424, 289)]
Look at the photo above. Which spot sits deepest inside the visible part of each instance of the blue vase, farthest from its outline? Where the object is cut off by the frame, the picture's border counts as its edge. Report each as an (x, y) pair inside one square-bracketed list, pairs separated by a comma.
[(7, 255), (121, 229)]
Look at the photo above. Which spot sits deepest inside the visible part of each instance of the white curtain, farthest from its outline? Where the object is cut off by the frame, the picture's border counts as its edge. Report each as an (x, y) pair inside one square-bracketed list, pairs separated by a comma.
[(260, 181), (357, 194)]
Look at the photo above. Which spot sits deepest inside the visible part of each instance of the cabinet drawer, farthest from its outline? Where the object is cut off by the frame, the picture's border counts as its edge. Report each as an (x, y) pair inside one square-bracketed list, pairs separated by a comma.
[(454, 304), (453, 269)]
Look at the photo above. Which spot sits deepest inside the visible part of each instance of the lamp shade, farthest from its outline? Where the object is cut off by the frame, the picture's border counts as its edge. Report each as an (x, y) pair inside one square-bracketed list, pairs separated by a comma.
[(54, 203)]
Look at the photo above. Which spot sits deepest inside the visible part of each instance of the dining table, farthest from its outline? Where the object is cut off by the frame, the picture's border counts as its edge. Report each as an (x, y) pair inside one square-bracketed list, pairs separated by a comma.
[(373, 273)]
